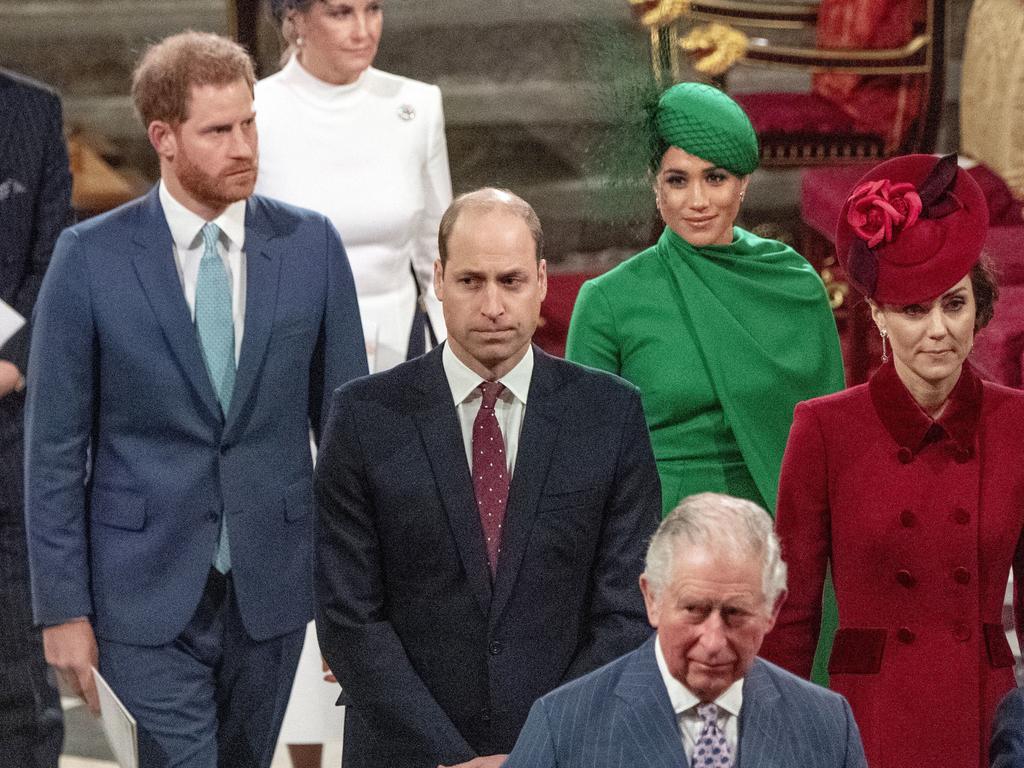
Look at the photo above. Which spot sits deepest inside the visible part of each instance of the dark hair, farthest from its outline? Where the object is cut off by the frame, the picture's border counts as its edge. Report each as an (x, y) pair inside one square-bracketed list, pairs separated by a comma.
[(163, 79), (985, 288), (486, 199)]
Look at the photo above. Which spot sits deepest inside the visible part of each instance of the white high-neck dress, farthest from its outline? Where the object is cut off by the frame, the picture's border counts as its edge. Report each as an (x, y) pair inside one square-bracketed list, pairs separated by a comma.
[(371, 156)]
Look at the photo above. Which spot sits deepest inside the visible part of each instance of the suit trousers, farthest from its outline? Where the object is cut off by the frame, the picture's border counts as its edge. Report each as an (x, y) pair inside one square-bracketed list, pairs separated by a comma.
[(211, 698), (31, 724)]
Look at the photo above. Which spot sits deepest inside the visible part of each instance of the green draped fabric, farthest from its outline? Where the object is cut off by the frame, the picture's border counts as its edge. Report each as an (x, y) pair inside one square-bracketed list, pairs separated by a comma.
[(722, 341)]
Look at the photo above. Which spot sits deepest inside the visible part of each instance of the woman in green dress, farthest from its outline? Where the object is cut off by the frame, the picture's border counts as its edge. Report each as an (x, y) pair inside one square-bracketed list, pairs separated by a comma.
[(724, 332)]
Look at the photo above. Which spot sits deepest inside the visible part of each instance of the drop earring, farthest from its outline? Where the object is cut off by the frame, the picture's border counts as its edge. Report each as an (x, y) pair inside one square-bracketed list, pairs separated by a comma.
[(885, 356)]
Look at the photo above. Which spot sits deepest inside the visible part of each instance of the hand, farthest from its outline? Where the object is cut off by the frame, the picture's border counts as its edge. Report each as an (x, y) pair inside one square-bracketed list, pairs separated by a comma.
[(71, 649), (329, 677), (9, 377), (489, 761)]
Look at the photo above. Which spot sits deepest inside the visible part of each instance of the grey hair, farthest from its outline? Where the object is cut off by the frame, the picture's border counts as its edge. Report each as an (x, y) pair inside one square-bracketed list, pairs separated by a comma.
[(730, 526)]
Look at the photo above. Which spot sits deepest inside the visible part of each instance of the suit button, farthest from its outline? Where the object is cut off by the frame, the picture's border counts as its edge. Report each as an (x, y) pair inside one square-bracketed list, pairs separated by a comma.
[(212, 516), (961, 516), (907, 518), (905, 635), (906, 578), (224, 448), (495, 647), (905, 455), (961, 575), (961, 632), (485, 715)]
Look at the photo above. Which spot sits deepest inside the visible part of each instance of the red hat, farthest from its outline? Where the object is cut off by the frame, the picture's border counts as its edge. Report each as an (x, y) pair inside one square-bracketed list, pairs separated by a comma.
[(912, 228)]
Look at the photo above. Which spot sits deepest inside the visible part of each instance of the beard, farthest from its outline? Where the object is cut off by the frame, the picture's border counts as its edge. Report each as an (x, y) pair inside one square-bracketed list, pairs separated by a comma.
[(234, 183)]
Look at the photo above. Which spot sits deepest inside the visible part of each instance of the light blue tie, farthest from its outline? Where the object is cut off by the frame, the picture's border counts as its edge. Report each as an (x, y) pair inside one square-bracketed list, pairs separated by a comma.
[(216, 329)]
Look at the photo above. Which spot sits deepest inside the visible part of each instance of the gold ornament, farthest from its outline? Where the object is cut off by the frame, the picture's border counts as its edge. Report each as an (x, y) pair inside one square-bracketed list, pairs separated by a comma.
[(659, 13), (715, 48)]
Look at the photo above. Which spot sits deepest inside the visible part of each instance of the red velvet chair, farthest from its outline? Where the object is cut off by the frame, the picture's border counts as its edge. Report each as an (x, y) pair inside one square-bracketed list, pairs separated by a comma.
[(877, 84)]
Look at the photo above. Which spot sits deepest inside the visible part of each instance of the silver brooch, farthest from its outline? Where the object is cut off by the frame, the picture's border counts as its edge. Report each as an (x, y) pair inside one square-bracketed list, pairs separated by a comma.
[(406, 112)]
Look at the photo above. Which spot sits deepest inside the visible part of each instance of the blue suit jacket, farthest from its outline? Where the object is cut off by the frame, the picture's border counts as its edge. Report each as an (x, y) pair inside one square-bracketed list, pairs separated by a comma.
[(129, 460), (1007, 747), (620, 717), (35, 205), (438, 664)]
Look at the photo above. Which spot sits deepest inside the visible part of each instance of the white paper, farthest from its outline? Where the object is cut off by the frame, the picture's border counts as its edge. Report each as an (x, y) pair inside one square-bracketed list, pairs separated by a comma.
[(118, 723), (10, 322)]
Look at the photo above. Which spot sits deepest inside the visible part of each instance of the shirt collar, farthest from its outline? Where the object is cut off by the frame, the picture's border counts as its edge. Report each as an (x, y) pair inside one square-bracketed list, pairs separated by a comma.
[(912, 428), (463, 381), (683, 699), (186, 226)]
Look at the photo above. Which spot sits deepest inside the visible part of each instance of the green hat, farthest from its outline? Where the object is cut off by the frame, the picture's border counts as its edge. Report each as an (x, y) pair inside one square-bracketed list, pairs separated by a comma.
[(703, 121)]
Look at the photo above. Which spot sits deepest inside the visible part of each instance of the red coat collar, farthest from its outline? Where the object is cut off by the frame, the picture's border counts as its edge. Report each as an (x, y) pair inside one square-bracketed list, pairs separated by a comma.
[(912, 428)]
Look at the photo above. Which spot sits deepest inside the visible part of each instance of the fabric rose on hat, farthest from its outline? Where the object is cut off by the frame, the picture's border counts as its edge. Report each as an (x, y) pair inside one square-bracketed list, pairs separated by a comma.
[(879, 210)]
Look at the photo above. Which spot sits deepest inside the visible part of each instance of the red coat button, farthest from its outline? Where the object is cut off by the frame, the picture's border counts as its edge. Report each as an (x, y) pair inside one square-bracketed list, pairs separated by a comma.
[(961, 575), (905, 635), (906, 578), (961, 516), (962, 632), (905, 455), (907, 518)]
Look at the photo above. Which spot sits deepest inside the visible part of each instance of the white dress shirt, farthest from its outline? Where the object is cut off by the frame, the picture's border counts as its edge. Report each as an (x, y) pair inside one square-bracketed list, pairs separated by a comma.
[(509, 410), (684, 704), (187, 234)]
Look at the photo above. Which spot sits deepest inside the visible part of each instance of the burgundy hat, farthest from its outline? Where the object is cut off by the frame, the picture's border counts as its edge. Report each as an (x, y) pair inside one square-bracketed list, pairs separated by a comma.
[(912, 228)]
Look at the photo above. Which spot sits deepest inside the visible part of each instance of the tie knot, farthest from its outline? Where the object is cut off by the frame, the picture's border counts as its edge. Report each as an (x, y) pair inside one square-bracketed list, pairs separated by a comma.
[(708, 713), (490, 390), (211, 234)]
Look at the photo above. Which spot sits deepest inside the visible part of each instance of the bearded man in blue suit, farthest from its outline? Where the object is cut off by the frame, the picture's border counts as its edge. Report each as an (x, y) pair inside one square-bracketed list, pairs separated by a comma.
[(696, 695), (183, 345)]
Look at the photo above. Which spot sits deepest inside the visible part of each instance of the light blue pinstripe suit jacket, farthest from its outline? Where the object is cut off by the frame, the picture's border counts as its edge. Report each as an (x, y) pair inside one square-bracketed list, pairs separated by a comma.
[(619, 716)]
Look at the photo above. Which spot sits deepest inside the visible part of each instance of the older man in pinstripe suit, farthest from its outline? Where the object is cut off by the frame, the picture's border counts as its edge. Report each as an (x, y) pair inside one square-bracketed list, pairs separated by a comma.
[(35, 197), (696, 695)]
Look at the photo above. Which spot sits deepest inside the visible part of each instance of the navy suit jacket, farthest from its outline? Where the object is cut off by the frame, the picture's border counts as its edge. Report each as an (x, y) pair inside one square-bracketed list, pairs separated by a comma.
[(129, 460), (35, 205), (1007, 747), (620, 717), (438, 664)]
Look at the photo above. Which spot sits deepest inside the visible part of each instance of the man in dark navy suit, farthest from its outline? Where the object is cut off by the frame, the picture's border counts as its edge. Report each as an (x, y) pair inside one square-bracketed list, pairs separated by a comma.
[(35, 205), (483, 511), (183, 345)]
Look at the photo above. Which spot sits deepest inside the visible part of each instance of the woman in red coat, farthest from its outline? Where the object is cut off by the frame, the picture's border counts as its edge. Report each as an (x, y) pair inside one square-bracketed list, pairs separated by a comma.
[(910, 486)]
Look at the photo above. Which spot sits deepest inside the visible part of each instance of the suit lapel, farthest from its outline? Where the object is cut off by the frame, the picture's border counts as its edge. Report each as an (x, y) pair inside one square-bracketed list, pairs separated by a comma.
[(262, 276), (537, 439), (439, 426), (760, 721), (650, 729), (154, 263)]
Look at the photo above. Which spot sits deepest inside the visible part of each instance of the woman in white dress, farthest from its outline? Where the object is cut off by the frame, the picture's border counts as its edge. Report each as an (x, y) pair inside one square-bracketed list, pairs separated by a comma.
[(367, 149)]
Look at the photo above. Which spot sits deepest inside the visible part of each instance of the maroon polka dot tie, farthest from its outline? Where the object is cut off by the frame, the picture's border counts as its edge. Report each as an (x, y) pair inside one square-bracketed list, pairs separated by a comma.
[(490, 475)]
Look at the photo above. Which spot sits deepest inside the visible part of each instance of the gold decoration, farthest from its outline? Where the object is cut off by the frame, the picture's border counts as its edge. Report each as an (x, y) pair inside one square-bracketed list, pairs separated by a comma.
[(715, 48), (659, 13)]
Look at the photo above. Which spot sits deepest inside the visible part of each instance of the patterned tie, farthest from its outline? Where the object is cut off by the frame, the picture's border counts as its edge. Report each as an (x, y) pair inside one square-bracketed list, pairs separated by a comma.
[(711, 749), (490, 475), (216, 329)]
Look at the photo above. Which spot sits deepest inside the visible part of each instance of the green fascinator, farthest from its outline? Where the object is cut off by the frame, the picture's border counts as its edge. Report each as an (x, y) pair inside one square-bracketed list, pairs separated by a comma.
[(703, 121)]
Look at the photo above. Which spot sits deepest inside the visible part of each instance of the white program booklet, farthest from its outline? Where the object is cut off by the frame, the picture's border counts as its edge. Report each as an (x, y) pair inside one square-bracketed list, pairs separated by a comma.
[(120, 727), (10, 322)]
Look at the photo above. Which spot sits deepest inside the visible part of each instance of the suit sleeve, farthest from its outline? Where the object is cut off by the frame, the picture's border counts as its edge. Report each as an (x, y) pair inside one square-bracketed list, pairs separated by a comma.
[(855, 757), (1007, 747), (803, 525), (437, 195), (52, 213), (593, 337), (61, 393), (535, 747), (341, 352), (355, 635), (617, 620)]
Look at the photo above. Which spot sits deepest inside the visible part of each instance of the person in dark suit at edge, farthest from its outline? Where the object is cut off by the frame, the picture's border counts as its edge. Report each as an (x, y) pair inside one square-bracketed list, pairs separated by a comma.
[(696, 695), (183, 345), (35, 205), (482, 514)]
